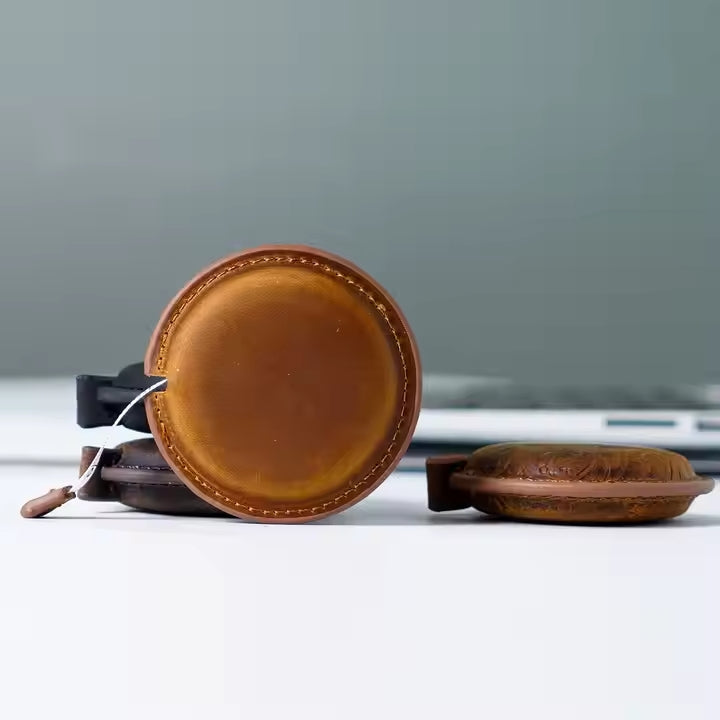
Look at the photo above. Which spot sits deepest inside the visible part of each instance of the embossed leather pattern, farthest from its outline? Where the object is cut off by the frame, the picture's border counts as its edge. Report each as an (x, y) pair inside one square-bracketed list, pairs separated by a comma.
[(293, 384), (566, 483)]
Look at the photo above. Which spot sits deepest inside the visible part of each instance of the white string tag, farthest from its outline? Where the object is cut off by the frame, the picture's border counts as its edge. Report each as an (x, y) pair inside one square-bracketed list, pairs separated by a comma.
[(37, 507)]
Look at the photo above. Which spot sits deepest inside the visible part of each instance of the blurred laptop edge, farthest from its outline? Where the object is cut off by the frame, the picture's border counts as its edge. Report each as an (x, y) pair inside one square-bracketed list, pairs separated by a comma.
[(462, 413), (459, 414)]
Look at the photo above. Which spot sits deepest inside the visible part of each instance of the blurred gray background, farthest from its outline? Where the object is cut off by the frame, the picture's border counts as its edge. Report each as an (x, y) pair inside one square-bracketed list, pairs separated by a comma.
[(535, 181)]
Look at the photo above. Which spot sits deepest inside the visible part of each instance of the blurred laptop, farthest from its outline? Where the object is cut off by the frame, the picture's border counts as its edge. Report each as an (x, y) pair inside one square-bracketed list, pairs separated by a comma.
[(460, 414)]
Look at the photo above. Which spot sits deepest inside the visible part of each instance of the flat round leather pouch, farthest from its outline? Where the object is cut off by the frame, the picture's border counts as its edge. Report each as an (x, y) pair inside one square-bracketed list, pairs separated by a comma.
[(293, 384), (571, 483), (135, 474)]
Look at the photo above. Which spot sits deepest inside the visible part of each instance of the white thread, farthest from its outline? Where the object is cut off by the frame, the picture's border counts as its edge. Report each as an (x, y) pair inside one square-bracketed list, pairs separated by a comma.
[(92, 467)]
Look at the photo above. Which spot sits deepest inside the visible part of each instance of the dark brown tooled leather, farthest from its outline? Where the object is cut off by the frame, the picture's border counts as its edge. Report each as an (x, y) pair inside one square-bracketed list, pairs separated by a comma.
[(579, 463), (566, 482)]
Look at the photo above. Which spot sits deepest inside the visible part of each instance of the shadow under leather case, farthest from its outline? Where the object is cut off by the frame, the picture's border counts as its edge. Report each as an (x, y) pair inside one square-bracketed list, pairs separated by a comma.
[(293, 389)]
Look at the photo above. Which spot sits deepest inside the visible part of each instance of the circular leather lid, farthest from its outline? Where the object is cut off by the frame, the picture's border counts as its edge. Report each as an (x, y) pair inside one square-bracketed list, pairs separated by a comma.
[(293, 384), (579, 470)]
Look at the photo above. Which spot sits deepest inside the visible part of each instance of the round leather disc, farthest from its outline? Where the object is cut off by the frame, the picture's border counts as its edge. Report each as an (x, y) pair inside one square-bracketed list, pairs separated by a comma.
[(293, 384)]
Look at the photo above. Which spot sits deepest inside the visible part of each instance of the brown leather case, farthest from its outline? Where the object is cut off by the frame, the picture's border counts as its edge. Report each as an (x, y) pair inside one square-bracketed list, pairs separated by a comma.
[(293, 389), (137, 475), (566, 483)]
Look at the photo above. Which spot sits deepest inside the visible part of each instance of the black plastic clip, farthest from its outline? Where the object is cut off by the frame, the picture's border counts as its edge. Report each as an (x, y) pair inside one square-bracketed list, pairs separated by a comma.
[(101, 398)]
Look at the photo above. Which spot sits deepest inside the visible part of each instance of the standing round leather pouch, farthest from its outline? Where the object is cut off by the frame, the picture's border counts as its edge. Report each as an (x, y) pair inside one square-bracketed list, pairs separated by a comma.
[(293, 390), (293, 384)]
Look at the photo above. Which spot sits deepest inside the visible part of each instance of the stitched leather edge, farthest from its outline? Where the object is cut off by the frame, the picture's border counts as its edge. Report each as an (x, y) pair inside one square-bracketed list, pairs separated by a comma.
[(160, 362), (484, 485)]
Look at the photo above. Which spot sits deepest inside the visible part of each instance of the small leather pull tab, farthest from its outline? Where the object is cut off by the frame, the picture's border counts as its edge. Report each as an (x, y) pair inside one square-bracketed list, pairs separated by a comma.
[(441, 495), (46, 503)]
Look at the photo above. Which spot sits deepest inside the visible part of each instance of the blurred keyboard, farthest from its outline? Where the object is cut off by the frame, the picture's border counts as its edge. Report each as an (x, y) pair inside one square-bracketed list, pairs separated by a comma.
[(448, 393)]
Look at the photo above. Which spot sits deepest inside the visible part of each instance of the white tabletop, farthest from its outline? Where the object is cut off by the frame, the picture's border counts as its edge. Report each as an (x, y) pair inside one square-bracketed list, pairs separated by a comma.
[(384, 611)]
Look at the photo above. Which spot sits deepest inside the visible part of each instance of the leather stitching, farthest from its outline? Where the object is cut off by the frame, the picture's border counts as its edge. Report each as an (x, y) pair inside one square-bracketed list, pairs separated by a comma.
[(166, 435)]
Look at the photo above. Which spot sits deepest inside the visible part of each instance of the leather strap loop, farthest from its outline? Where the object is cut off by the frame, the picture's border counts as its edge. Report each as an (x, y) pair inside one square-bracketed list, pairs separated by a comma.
[(442, 493)]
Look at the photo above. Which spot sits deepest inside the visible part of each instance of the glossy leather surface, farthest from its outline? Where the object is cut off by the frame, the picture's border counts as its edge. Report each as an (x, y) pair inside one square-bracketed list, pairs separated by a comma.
[(293, 384)]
